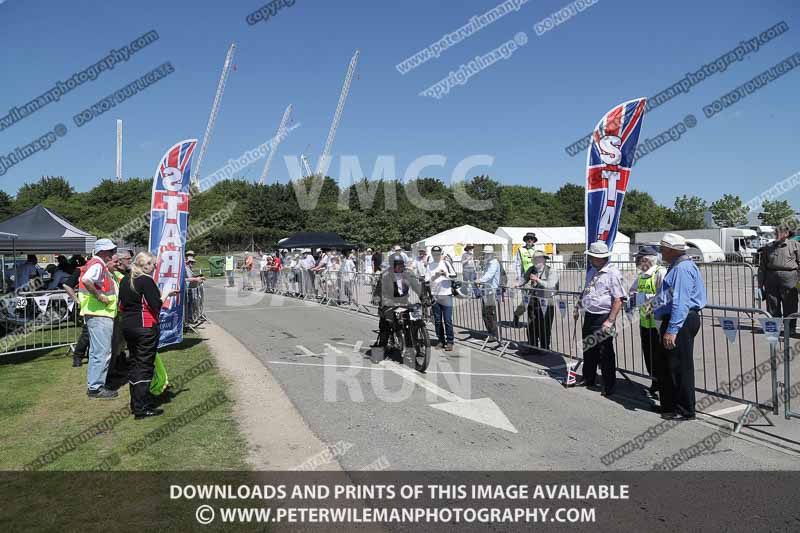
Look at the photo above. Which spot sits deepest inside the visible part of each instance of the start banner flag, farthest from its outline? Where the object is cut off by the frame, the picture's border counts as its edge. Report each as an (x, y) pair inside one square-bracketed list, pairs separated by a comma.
[(608, 169), (169, 221)]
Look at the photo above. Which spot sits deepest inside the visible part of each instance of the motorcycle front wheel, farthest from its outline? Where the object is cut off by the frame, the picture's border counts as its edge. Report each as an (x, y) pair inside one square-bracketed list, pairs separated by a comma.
[(422, 346)]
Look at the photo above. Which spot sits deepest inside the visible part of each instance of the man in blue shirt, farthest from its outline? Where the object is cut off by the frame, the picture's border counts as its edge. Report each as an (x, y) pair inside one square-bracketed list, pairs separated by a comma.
[(677, 305), (490, 285)]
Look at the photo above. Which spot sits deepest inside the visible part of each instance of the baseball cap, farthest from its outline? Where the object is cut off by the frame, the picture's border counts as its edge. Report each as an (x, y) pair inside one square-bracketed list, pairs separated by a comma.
[(436, 250)]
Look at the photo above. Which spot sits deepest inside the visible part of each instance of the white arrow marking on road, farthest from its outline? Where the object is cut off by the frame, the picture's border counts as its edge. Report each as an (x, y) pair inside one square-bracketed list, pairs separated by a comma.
[(307, 352), (481, 410), (333, 348), (356, 347)]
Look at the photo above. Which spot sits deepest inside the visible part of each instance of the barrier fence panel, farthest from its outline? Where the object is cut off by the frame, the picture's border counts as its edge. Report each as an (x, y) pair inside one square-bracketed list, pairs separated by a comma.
[(730, 343), (39, 320), (194, 305), (791, 364)]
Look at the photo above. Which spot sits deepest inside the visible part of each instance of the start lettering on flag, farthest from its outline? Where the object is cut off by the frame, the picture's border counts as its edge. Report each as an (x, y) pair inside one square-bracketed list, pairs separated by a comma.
[(169, 222), (608, 169)]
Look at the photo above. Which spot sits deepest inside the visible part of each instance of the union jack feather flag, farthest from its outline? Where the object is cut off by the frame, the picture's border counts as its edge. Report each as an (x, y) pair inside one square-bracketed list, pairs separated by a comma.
[(608, 169)]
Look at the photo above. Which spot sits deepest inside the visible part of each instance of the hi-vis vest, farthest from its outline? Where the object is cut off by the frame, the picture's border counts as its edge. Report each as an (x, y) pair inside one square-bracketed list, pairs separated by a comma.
[(91, 306), (647, 287), (526, 257)]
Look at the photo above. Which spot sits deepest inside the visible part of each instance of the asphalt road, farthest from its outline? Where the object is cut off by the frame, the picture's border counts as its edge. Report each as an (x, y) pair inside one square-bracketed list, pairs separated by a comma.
[(470, 411)]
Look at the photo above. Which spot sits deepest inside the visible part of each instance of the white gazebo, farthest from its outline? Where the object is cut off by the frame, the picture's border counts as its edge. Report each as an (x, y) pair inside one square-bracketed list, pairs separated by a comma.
[(453, 240), (561, 243)]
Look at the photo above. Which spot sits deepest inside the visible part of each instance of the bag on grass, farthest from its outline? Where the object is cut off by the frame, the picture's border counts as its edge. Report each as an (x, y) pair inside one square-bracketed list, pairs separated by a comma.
[(160, 380)]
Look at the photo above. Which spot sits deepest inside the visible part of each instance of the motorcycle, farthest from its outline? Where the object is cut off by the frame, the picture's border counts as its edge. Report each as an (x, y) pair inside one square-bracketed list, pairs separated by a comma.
[(408, 337)]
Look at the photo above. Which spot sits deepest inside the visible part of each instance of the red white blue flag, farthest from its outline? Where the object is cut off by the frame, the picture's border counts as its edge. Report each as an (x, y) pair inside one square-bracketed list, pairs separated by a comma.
[(608, 169), (169, 222)]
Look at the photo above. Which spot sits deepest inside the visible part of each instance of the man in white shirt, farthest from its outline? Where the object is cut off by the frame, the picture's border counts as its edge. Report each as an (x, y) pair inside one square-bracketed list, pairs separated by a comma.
[(97, 294), (263, 267), (307, 279), (368, 261), (421, 263), (440, 275), (348, 273)]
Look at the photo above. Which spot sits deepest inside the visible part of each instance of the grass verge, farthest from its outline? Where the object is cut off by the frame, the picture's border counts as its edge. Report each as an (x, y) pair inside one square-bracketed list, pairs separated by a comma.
[(48, 423)]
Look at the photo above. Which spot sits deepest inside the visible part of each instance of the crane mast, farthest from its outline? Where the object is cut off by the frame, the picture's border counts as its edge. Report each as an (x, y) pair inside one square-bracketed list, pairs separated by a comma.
[(326, 152), (278, 138), (226, 67)]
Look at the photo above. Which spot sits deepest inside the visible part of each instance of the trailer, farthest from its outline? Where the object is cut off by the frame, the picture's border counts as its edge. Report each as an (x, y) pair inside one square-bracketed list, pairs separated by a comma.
[(738, 244)]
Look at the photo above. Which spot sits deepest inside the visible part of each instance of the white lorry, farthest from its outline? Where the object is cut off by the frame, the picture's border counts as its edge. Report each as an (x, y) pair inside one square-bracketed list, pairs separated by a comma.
[(738, 244)]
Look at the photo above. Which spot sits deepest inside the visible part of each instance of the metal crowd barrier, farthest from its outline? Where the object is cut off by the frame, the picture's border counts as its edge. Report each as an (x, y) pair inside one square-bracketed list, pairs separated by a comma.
[(730, 343), (40, 320), (194, 306), (789, 356), (729, 284)]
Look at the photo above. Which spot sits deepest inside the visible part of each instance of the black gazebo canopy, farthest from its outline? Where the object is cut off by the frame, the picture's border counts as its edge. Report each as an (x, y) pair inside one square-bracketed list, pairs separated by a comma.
[(39, 230), (316, 239)]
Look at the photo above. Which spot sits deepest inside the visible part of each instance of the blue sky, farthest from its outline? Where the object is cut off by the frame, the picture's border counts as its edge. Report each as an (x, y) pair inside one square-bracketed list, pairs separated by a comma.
[(522, 111)]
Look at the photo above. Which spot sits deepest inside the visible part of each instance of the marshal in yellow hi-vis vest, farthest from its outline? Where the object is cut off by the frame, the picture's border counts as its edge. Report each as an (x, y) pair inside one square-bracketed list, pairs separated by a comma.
[(645, 291), (89, 304), (526, 258)]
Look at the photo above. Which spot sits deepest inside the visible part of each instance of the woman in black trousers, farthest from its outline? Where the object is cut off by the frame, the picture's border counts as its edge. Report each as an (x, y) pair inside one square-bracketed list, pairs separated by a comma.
[(140, 304)]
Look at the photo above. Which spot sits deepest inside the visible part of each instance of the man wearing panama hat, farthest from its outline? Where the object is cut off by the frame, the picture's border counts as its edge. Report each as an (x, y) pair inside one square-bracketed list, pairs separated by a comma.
[(677, 305), (601, 301)]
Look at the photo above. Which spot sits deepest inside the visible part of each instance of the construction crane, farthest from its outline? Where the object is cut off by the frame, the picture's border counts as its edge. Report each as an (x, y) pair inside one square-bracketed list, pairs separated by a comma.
[(326, 152), (119, 150), (223, 78), (278, 138), (306, 166)]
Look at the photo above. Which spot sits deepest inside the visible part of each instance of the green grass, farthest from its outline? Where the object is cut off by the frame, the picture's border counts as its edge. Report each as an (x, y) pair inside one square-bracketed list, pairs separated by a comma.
[(44, 402)]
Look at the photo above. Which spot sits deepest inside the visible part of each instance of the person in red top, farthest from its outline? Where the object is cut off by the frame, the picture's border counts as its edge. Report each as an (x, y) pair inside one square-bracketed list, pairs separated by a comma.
[(275, 271), (140, 303)]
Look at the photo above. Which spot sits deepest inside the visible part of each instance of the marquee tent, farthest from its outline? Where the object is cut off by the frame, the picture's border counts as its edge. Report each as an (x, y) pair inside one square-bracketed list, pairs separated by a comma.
[(562, 243), (453, 240), (39, 230)]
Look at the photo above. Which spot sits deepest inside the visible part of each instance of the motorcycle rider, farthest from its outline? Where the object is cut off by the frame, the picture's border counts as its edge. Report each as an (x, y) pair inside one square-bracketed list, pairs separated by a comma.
[(393, 289)]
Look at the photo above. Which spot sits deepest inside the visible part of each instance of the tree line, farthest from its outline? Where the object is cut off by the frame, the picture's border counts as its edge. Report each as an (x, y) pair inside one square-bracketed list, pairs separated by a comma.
[(375, 213)]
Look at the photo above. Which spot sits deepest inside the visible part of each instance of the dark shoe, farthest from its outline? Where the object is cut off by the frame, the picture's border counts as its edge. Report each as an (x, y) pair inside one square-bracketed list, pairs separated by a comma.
[(687, 417), (606, 393), (448, 348), (441, 344), (148, 413), (102, 393), (669, 416)]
